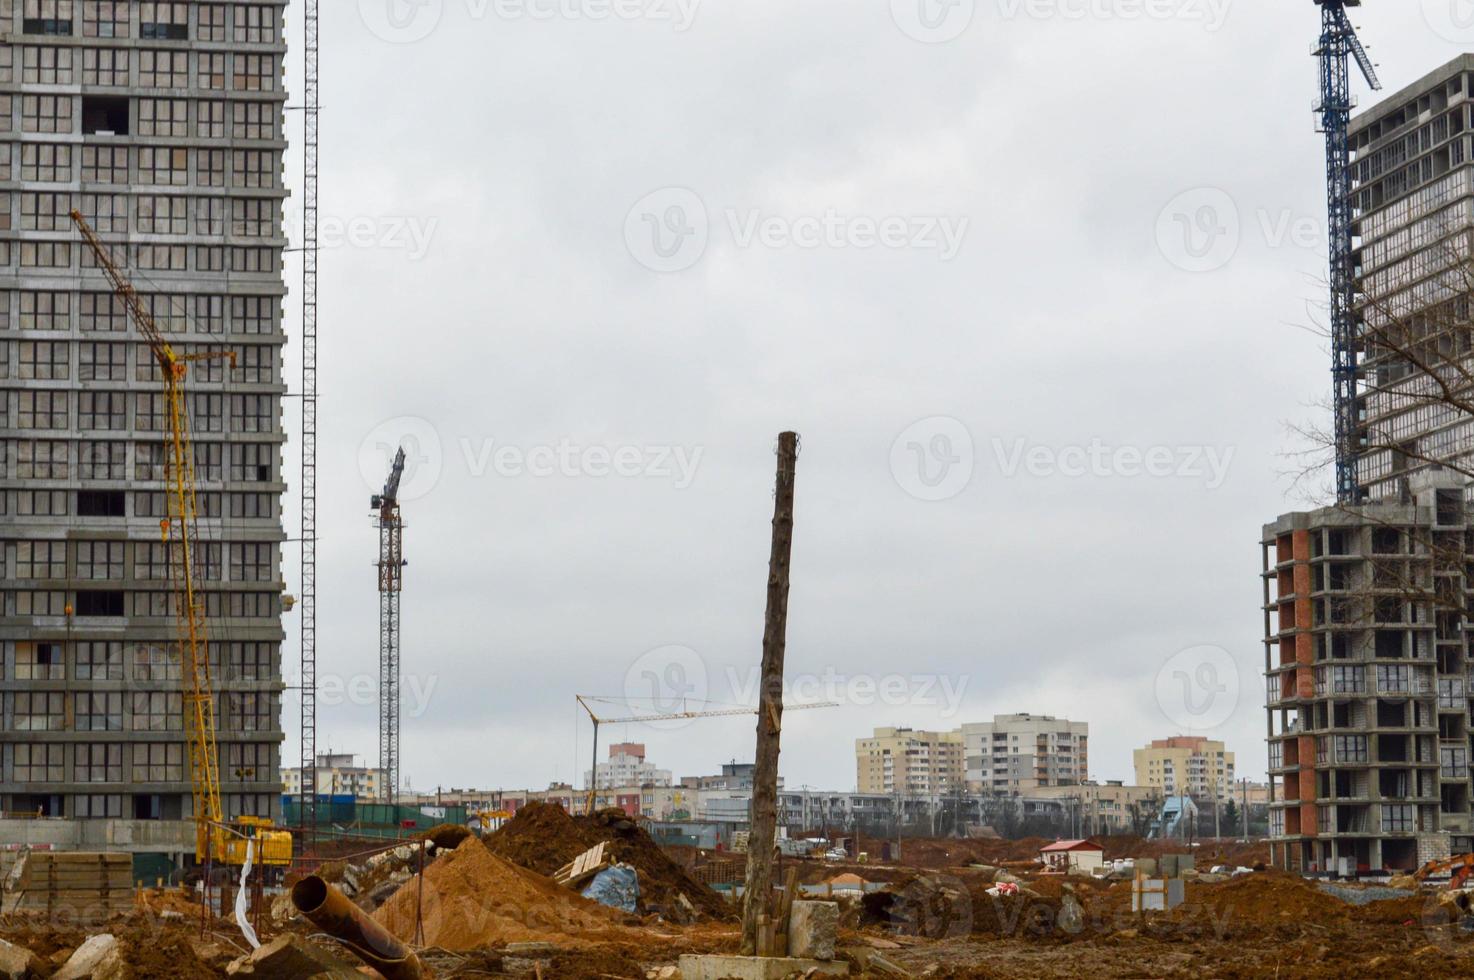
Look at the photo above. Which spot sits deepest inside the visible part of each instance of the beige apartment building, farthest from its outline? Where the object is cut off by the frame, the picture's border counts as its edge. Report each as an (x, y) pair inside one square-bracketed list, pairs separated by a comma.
[(1105, 808), (910, 762), (1191, 764), (1014, 754)]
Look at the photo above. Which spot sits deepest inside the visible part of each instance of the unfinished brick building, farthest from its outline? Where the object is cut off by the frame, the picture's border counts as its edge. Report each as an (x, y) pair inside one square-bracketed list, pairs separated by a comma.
[(1365, 624)]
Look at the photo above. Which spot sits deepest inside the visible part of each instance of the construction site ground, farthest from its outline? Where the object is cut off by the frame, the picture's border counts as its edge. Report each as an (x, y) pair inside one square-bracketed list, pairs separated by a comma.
[(483, 909)]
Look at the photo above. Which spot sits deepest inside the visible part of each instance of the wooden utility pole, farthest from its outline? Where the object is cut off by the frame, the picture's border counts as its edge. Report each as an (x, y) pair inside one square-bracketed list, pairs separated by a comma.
[(763, 838)]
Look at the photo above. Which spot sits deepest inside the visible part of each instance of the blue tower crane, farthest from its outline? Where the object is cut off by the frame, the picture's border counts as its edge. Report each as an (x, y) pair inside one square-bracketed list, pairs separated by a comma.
[(1338, 45)]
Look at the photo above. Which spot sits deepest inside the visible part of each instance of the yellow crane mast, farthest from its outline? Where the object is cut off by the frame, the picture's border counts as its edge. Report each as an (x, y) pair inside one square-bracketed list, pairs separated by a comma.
[(178, 533)]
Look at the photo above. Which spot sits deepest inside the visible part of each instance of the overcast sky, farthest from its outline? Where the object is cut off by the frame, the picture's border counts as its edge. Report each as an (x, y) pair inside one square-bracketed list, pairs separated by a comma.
[(1035, 281)]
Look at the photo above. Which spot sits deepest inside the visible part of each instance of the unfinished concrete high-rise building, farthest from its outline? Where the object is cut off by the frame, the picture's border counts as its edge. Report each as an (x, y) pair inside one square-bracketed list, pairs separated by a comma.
[(1413, 216), (162, 124), (1367, 663), (1365, 605)]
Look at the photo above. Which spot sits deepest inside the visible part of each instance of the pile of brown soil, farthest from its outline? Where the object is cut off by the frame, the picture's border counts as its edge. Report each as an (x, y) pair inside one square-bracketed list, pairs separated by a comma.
[(543, 837), (446, 836), (472, 899)]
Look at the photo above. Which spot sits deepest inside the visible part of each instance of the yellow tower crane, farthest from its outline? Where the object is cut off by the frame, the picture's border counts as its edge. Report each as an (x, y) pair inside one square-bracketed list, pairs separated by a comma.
[(178, 532)]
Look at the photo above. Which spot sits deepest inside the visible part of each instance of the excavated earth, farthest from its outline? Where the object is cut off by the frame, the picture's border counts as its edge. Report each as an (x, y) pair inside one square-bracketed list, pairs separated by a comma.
[(542, 837)]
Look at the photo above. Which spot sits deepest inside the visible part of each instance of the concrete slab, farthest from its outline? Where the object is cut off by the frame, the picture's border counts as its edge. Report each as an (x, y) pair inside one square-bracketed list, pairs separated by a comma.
[(756, 967)]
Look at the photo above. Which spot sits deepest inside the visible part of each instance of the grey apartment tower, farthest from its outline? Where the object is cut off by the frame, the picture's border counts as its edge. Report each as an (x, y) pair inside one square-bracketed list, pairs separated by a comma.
[(163, 124)]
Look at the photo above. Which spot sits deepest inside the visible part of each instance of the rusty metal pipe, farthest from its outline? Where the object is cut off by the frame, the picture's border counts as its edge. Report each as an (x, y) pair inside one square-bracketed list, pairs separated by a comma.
[(329, 910)]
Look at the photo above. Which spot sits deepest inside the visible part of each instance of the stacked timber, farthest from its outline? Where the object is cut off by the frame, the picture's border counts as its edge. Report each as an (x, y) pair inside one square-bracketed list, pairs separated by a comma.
[(87, 886)]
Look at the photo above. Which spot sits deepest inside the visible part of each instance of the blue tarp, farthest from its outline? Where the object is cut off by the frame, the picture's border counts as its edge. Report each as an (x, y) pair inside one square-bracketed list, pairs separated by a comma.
[(618, 887)]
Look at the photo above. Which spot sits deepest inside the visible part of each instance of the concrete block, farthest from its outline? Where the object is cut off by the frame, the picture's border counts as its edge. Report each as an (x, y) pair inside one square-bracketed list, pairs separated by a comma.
[(99, 958), (812, 929), (1147, 866), (289, 957), (18, 963), (757, 967)]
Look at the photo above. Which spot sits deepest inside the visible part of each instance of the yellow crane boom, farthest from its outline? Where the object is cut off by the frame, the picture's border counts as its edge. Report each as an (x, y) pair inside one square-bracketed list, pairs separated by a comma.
[(178, 532)]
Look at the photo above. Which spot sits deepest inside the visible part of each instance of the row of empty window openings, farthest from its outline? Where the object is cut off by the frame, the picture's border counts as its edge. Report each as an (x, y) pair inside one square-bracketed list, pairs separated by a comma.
[(151, 605), (116, 660), (161, 21), (52, 360), (153, 214), (172, 313), (158, 166)]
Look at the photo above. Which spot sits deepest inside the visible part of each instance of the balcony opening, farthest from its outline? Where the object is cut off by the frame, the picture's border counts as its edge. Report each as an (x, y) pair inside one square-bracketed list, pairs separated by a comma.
[(50, 26), (1392, 748), (1389, 644), (104, 115), (1391, 714), (100, 602), (100, 503), (157, 31)]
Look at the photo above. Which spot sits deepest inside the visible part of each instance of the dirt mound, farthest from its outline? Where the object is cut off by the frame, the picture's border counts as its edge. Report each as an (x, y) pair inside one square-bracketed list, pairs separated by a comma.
[(447, 836), (472, 899), (543, 837)]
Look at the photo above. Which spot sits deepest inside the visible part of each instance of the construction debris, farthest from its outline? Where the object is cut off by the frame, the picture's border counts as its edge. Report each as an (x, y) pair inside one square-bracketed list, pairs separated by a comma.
[(99, 958), (583, 867), (472, 899), (291, 957), (86, 887), (542, 837)]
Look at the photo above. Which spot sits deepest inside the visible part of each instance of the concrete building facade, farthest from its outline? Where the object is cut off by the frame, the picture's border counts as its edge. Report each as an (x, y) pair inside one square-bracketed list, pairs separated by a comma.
[(162, 124), (1192, 764), (1367, 669), (909, 762), (1413, 194), (337, 774), (1013, 754), (627, 766)]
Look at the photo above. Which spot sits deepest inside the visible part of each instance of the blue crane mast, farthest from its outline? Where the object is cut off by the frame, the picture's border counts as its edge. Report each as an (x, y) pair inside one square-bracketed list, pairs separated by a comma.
[(1338, 45)]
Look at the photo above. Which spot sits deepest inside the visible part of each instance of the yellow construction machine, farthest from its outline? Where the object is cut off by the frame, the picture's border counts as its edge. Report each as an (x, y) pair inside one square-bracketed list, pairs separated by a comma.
[(215, 839)]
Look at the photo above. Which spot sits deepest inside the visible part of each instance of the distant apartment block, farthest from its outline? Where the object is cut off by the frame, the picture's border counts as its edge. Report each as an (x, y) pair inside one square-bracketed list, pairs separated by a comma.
[(1100, 808), (909, 762), (627, 767), (1191, 764), (337, 774), (1013, 754), (1366, 632)]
